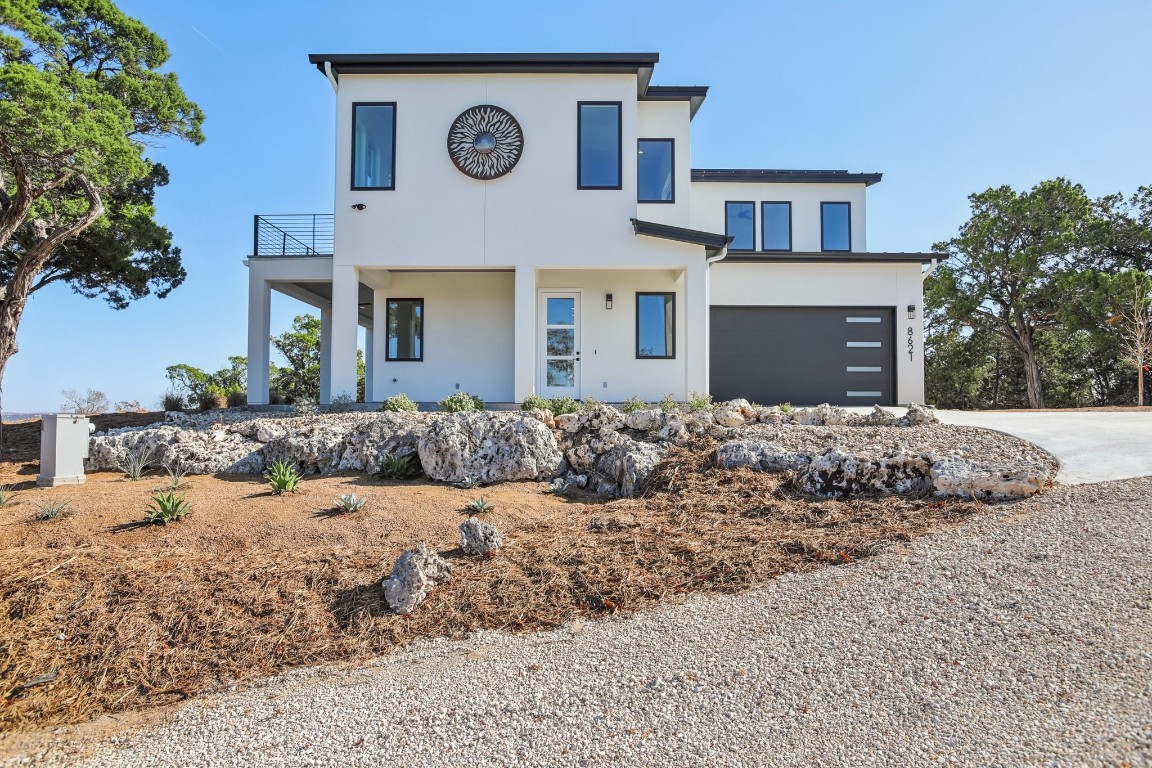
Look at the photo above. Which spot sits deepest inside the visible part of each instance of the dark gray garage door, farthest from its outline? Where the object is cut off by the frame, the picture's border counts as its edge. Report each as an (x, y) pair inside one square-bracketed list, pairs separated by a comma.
[(803, 355)]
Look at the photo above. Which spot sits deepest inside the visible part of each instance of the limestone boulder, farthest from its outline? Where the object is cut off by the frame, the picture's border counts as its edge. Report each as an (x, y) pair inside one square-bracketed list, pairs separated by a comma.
[(646, 420), (416, 573), (494, 447), (837, 474), (734, 413), (478, 537), (392, 432), (317, 446), (968, 479), (621, 472), (198, 452), (603, 416), (918, 415), (759, 455)]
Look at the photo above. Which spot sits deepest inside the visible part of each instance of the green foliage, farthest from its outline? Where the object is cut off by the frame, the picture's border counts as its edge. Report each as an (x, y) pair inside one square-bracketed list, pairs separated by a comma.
[(213, 397), (461, 401), (699, 402), (479, 505), (303, 408), (469, 482), (396, 466), (350, 502), (399, 403), (668, 404), (166, 508), (341, 403), (172, 401), (6, 494), (535, 403), (135, 462), (301, 349), (50, 509), (176, 481), (561, 405), (283, 478), (237, 398), (634, 404), (786, 408)]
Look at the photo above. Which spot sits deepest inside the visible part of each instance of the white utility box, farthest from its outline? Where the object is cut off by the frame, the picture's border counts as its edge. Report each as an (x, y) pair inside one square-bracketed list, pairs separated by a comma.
[(63, 448)]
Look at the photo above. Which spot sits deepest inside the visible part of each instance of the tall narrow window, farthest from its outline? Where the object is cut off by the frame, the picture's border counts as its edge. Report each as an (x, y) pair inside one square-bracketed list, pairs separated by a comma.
[(835, 226), (405, 329), (598, 158), (740, 225), (373, 145), (655, 325), (776, 226), (655, 177)]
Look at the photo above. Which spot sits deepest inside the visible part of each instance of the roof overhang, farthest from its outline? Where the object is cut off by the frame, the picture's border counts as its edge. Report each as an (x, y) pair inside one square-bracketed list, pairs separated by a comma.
[(846, 257), (693, 94), (775, 176), (680, 234)]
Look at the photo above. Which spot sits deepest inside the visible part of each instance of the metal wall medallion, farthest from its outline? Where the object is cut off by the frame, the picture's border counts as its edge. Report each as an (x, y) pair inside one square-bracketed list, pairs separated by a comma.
[(485, 142)]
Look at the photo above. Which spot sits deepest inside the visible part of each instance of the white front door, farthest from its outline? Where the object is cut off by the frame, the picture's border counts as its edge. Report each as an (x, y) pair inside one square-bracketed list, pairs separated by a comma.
[(560, 345)]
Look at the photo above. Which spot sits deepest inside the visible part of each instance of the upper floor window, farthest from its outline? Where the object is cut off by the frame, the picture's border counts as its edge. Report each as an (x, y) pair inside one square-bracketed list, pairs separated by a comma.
[(374, 145), (776, 226), (835, 226), (655, 325), (598, 155), (740, 225), (405, 323), (655, 177)]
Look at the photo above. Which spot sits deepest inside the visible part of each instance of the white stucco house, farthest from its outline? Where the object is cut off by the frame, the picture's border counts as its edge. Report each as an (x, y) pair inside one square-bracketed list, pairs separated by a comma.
[(510, 224)]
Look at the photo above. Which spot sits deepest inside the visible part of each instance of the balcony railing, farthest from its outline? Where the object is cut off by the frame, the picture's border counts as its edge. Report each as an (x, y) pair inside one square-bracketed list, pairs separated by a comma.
[(293, 234)]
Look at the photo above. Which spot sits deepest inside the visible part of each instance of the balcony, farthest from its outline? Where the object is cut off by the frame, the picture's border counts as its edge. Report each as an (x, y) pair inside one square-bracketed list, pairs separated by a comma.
[(292, 235)]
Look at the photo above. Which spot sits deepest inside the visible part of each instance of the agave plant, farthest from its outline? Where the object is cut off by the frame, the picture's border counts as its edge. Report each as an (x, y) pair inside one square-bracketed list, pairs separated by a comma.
[(480, 505), (166, 508), (396, 466), (350, 502), (283, 478), (469, 482)]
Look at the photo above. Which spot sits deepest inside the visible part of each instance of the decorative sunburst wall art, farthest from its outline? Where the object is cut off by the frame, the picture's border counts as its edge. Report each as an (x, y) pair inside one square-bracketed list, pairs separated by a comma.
[(485, 142)]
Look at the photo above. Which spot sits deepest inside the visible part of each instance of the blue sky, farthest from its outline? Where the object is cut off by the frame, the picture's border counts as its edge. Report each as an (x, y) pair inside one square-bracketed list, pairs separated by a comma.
[(945, 98)]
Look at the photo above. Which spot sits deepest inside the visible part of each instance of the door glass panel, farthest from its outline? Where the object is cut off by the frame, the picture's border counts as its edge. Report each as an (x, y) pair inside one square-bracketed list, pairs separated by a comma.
[(561, 373), (561, 311), (561, 341)]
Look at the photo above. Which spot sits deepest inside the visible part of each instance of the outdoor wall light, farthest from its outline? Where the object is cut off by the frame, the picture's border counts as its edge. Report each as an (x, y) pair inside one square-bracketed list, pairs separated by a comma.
[(911, 311), (358, 206), (607, 301)]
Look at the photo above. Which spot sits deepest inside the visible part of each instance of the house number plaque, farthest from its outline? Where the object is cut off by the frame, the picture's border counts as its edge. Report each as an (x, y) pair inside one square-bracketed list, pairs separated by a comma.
[(909, 342)]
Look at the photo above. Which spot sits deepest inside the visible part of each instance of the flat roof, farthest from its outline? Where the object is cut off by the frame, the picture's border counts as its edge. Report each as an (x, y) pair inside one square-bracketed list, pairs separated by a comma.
[(695, 94), (777, 257), (777, 175)]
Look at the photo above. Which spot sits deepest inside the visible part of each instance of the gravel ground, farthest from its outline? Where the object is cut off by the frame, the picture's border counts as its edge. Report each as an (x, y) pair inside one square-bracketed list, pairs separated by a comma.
[(1022, 638)]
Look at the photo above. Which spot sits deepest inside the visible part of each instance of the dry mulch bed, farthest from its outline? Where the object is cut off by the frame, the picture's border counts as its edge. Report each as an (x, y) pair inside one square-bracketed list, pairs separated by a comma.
[(128, 618)]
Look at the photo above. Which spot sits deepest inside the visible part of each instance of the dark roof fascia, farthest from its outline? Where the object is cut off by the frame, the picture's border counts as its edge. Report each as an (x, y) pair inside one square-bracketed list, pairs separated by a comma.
[(694, 94), (858, 257), (773, 176), (680, 234)]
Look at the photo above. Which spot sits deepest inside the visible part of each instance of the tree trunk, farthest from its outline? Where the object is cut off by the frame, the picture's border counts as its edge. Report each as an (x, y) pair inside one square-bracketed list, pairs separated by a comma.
[(1140, 385), (1031, 371)]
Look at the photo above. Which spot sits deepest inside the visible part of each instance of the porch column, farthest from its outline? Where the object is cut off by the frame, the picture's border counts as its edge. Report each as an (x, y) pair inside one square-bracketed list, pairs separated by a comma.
[(259, 337), (696, 330), (368, 358), (345, 309), (378, 342), (524, 344), (325, 352)]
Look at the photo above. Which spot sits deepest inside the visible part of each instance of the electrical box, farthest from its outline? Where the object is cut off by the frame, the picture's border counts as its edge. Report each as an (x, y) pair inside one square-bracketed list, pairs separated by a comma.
[(63, 448)]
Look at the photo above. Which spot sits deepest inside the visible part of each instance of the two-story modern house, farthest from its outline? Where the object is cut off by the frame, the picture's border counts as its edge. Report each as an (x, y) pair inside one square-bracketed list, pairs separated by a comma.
[(510, 224)]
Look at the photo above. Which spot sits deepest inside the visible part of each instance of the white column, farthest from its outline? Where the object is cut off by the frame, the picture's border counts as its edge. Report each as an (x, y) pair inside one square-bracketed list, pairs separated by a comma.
[(368, 366), (524, 344), (379, 345), (259, 333), (345, 310), (325, 355), (696, 331)]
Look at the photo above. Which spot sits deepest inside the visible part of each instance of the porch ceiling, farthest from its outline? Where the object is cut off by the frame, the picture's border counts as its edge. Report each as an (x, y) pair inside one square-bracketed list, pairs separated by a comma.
[(320, 295)]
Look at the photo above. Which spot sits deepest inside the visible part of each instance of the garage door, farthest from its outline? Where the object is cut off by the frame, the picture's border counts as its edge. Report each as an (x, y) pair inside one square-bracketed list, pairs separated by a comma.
[(803, 355)]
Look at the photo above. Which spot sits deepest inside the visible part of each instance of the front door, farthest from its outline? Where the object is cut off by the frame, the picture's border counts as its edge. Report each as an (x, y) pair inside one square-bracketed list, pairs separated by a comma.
[(560, 345)]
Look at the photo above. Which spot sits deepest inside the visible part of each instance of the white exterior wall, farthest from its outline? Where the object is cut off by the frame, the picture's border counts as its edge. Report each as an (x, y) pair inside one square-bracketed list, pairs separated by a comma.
[(669, 120), (835, 285), (708, 198)]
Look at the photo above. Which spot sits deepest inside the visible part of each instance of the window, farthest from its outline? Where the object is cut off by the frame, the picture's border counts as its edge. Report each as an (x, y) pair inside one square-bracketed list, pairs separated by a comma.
[(776, 226), (598, 158), (655, 325), (835, 226), (740, 225), (373, 145), (655, 177), (405, 329)]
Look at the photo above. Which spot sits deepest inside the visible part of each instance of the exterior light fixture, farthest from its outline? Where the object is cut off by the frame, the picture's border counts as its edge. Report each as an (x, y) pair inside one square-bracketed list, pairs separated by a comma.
[(607, 301), (358, 206), (911, 311)]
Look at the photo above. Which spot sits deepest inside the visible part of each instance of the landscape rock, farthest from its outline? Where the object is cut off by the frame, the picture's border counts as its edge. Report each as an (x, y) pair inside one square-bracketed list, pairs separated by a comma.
[(646, 420), (478, 537), (602, 416), (759, 455), (954, 476), (494, 447), (918, 415), (198, 452), (734, 413), (545, 416), (315, 447), (837, 474), (416, 573), (623, 470), (571, 422), (387, 433)]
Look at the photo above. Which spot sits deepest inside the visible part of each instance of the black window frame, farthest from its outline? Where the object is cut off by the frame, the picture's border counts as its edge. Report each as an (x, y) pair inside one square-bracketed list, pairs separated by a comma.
[(387, 324), (639, 356), (672, 158), (823, 205), (619, 142), (763, 240), (727, 233), (352, 163)]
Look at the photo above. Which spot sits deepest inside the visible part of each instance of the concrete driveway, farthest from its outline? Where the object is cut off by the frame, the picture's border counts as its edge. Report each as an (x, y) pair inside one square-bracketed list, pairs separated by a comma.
[(1092, 446)]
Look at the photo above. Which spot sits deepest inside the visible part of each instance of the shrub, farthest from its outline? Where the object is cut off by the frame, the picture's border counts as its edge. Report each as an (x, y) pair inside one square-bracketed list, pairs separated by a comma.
[(6, 494), (469, 482), (167, 507), (237, 398), (668, 404), (135, 462), (283, 478), (350, 502), (461, 401), (399, 403), (50, 509), (341, 403), (396, 466), (480, 505), (699, 402), (90, 402), (634, 404), (303, 408), (536, 403), (786, 407), (172, 401), (213, 398), (559, 405)]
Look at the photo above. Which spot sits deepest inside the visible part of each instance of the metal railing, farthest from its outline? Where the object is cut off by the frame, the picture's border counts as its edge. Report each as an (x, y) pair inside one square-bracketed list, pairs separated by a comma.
[(293, 234)]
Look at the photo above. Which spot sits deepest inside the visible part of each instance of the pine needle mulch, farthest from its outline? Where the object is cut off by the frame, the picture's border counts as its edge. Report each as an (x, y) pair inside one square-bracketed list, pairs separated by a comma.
[(89, 627)]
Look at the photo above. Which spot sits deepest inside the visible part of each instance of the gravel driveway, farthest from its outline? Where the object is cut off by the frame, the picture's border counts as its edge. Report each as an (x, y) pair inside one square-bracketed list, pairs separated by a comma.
[(1022, 638)]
